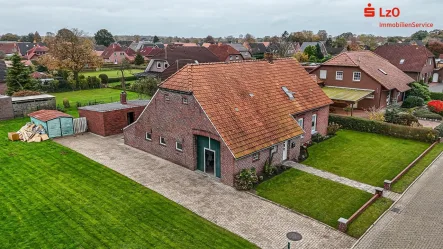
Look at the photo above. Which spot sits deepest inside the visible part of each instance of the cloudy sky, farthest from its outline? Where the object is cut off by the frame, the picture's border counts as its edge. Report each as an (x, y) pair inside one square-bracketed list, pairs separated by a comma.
[(198, 18)]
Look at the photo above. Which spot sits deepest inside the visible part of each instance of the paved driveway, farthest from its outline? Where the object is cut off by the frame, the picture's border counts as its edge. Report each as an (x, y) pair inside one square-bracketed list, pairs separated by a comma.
[(418, 220), (254, 219)]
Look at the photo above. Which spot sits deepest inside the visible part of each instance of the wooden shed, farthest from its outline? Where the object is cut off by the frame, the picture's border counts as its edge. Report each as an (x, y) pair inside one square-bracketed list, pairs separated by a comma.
[(56, 123)]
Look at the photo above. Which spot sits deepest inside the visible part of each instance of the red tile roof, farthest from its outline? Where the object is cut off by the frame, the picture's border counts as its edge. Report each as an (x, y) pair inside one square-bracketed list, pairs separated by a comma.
[(374, 65), (146, 50), (130, 52), (245, 100), (415, 57), (114, 47), (223, 51), (46, 115), (8, 47)]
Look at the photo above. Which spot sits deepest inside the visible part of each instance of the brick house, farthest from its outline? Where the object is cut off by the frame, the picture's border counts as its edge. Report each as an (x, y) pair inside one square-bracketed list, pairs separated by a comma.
[(225, 52), (219, 118), (36, 51), (362, 79), (115, 53), (416, 61), (110, 119)]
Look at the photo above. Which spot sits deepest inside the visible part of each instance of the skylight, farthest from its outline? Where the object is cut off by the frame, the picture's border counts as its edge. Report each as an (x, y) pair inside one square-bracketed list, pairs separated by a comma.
[(402, 61), (289, 93), (385, 73)]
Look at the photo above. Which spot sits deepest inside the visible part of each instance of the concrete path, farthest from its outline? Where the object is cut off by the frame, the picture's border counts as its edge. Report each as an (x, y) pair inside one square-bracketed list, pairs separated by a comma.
[(416, 220), (343, 180), (254, 219)]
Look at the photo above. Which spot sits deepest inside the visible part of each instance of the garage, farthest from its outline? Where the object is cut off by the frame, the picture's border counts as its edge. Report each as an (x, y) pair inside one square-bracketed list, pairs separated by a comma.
[(55, 123)]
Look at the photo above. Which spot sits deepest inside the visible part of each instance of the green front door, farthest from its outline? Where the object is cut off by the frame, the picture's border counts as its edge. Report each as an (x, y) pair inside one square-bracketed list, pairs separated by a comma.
[(208, 156)]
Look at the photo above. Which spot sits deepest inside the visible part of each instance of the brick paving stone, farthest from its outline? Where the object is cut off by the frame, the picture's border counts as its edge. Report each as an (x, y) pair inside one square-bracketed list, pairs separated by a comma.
[(254, 219), (418, 218), (343, 180)]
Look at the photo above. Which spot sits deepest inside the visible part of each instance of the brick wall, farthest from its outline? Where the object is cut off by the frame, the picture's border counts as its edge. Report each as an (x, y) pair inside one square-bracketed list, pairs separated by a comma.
[(3, 88), (322, 122), (94, 120), (6, 111)]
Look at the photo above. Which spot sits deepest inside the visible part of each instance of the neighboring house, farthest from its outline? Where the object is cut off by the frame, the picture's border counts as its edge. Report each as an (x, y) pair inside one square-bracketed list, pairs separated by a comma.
[(335, 51), (438, 75), (115, 53), (225, 52), (125, 43), (416, 61), (242, 49), (24, 47), (266, 44), (206, 44), (8, 48), (185, 44), (164, 64), (417, 43), (220, 118), (257, 49), (98, 49), (440, 61), (363, 80), (290, 49), (323, 49), (36, 52), (2, 77)]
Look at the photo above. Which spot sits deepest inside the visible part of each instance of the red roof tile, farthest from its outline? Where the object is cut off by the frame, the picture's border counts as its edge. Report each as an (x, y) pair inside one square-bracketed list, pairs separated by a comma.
[(223, 51), (374, 65), (114, 47), (46, 115), (415, 57), (245, 100), (8, 48)]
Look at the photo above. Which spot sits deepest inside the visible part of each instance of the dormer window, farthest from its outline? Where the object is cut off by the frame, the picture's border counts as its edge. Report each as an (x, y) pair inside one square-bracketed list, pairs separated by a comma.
[(402, 61), (159, 65)]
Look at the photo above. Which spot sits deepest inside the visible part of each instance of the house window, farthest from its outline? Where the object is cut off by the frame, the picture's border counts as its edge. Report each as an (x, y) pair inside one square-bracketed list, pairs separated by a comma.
[(167, 97), (273, 149), (339, 75), (159, 65), (314, 124), (323, 74), (236, 57), (356, 76), (115, 53), (430, 61), (148, 136), (166, 65), (231, 57), (162, 141), (300, 122), (255, 156), (371, 96), (402, 61), (178, 146), (185, 101)]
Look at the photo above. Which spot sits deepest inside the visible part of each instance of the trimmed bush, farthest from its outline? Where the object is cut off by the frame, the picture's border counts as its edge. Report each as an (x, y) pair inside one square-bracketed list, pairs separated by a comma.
[(435, 106), (333, 128), (439, 129), (393, 130), (420, 90), (421, 113), (128, 78), (104, 78), (436, 96), (413, 101)]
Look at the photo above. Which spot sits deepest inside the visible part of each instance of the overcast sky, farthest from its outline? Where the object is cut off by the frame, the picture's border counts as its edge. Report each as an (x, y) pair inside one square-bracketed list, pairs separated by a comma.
[(198, 18)]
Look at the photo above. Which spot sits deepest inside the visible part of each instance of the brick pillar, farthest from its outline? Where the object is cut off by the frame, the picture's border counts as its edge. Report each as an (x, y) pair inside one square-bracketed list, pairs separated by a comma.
[(342, 225), (387, 185), (123, 98), (379, 192)]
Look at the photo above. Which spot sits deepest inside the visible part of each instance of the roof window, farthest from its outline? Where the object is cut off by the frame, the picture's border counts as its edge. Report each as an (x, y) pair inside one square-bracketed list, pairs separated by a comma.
[(381, 70), (289, 93), (402, 61)]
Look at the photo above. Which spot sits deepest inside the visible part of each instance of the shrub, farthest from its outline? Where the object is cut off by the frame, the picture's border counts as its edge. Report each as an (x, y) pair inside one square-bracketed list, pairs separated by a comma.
[(376, 114), (365, 125), (424, 113), (436, 96), (246, 179), (128, 78), (420, 90), (333, 128), (439, 129), (413, 101), (406, 119), (66, 103), (269, 170), (435, 106), (103, 78)]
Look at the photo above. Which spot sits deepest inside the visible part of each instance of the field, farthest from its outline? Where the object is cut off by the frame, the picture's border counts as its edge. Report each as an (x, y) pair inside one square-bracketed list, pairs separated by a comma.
[(53, 197), (112, 73)]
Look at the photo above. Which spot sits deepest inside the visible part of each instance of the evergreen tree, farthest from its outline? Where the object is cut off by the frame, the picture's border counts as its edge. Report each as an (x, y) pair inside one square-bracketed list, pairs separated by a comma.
[(156, 39), (319, 54), (103, 37), (139, 59), (17, 77)]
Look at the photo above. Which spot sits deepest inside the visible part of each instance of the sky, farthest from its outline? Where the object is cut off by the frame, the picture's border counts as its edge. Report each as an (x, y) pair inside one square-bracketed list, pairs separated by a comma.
[(219, 18)]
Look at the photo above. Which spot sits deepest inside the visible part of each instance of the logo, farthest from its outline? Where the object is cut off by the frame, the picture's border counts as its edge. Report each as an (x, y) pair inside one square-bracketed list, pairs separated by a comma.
[(370, 12)]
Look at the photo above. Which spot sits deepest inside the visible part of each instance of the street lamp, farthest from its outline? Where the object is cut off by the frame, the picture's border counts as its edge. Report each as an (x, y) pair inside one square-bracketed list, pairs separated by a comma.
[(293, 236)]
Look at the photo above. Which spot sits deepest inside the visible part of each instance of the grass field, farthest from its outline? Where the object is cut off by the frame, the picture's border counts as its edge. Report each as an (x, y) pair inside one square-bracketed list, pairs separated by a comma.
[(102, 95), (401, 185), (112, 73), (364, 157), (320, 199), (53, 197)]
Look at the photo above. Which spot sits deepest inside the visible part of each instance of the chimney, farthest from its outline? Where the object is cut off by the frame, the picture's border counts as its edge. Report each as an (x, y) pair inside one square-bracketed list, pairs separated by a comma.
[(123, 98)]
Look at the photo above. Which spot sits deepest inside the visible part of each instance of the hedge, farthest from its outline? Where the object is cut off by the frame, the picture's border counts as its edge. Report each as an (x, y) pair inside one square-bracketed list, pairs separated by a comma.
[(113, 80), (420, 113), (393, 130), (436, 96)]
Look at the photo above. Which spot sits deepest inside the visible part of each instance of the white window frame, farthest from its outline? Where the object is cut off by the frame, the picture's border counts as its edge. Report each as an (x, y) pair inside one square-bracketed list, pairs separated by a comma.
[(372, 96), (314, 123), (236, 57), (231, 57), (300, 122), (176, 146), (185, 101), (323, 74), (150, 136), (167, 97), (159, 65), (354, 78), (160, 141), (430, 61), (337, 75), (274, 149), (256, 156), (402, 61)]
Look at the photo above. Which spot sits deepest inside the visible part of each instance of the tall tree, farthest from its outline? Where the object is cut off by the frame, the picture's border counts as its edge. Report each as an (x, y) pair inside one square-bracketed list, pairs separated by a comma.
[(27, 38), (310, 51), (155, 40), (322, 34), (103, 37), (138, 60), (369, 40), (209, 39), (318, 52), (9, 37), (145, 86), (301, 57), (70, 50), (340, 42), (436, 48), (328, 42), (37, 37), (124, 65), (17, 77), (419, 35), (347, 36), (249, 38)]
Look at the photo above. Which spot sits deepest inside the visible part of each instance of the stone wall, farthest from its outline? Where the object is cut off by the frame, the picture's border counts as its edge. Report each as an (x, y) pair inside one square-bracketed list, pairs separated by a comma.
[(24, 107), (6, 111)]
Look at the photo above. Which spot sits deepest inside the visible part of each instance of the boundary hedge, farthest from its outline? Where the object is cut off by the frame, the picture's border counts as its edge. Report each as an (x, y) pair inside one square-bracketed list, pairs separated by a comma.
[(359, 124), (436, 96)]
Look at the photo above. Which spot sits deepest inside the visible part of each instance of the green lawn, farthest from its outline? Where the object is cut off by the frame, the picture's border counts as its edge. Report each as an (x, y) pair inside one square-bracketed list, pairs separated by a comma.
[(364, 157), (112, 73), (103, 95), (318, 198), (53, 197), (401, 185)]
